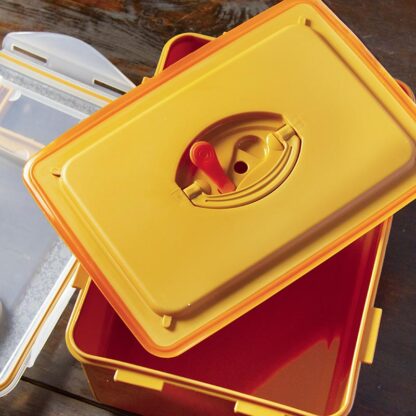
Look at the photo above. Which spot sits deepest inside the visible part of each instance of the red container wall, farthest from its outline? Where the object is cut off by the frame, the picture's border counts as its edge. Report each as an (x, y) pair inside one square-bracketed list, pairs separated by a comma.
[(295, 349)]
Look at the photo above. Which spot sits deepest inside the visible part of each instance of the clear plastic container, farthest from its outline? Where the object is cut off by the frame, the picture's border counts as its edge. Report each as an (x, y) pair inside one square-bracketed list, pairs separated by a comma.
[(37, 104)]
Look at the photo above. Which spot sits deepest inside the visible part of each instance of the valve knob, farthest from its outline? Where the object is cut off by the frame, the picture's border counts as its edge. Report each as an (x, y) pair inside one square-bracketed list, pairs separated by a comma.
[(204, 157)]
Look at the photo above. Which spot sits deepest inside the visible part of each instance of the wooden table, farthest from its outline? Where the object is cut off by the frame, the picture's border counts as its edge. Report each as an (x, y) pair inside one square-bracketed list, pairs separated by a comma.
[(131, 34)]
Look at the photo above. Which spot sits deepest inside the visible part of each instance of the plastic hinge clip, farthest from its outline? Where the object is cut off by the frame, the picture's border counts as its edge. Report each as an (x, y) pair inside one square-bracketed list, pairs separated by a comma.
[(370, 336), (80, 277), (252, 409), (139, 380)]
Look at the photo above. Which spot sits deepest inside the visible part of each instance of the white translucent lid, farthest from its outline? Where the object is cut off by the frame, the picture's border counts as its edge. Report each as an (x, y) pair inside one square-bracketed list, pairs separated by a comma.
[(48, 83)]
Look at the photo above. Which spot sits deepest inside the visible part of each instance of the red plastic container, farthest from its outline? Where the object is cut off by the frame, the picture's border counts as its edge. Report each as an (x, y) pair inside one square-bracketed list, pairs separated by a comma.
[(325, 326), (299, 353)]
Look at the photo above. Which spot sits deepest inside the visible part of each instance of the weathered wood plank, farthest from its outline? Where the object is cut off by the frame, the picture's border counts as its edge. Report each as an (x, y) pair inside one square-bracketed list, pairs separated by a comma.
[(28, 399), (55, 365), (131, 34), (388, 386)]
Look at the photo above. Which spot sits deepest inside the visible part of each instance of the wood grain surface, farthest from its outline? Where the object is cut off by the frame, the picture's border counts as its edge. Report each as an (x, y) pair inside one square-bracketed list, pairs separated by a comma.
[(131, 34)]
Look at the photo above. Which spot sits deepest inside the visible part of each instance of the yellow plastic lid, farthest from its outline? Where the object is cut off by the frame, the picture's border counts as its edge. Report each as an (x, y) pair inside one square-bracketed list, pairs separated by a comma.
[(232, 173)]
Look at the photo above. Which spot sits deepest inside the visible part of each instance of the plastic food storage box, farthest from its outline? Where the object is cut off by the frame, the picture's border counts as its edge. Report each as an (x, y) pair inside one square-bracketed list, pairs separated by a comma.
[(48, 83), (299, 353), (200, 198)]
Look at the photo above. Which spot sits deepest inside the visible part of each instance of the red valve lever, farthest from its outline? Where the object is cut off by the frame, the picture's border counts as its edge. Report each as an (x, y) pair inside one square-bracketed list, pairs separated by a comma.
[(203, 156)]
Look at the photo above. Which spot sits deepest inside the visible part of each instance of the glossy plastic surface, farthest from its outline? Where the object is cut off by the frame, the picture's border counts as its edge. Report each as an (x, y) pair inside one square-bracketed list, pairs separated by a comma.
[(332, 166), (296, 349), (35, 107)]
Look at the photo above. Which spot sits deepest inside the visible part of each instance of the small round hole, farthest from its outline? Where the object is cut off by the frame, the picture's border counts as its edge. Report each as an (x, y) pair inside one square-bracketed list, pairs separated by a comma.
[(240, 167)]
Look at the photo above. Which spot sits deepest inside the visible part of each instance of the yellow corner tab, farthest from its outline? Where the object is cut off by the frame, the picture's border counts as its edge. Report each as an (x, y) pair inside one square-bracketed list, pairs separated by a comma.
[(252, 409), (371, 335), (139, 380), (80, 277)]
